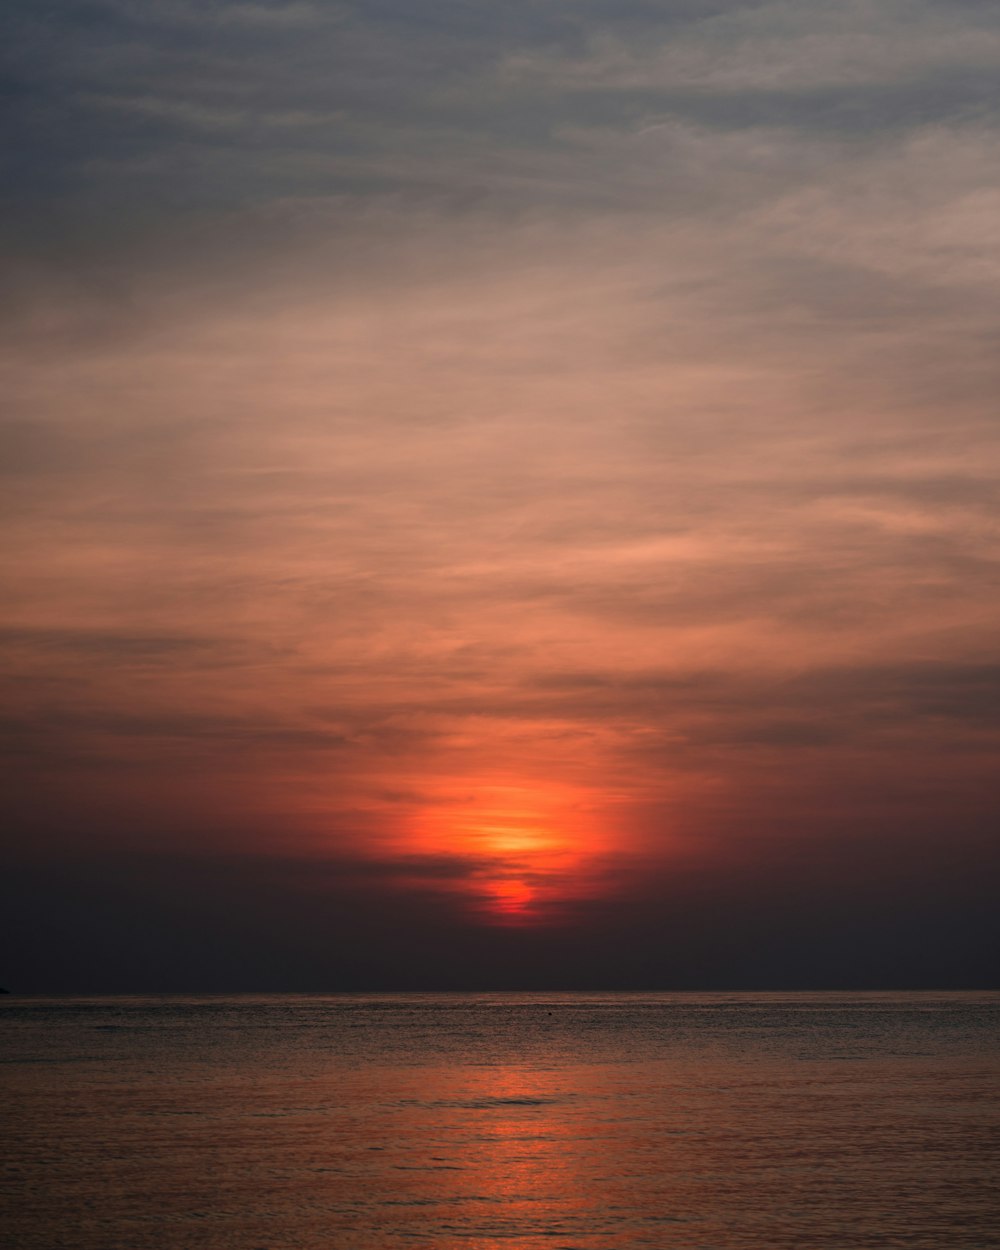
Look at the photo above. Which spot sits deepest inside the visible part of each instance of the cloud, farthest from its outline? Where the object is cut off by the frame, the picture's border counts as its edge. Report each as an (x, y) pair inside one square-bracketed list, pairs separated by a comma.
[(778, 47), (593, 405), (161, 111), (195, 923)]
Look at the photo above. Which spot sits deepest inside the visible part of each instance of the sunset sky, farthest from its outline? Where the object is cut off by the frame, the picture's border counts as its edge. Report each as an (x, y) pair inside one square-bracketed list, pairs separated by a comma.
[(501, 494)]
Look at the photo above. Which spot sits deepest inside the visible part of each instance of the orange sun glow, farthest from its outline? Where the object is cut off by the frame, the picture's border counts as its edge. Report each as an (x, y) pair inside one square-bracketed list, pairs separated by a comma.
[(528, 846)]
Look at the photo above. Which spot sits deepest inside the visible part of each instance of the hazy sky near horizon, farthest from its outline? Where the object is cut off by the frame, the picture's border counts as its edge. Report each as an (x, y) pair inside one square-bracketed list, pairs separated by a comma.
[(501, 494)]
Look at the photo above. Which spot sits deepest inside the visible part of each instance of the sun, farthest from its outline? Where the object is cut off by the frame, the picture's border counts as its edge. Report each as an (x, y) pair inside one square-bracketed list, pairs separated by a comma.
[(527, 846), (511, 897)]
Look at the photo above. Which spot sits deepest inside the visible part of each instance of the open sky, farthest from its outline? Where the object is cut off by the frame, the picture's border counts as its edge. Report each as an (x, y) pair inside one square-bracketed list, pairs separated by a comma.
[(501, 494)]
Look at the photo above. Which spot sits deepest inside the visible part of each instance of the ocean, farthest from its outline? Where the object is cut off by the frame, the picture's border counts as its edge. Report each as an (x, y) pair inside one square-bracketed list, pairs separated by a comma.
[(589, 1121)]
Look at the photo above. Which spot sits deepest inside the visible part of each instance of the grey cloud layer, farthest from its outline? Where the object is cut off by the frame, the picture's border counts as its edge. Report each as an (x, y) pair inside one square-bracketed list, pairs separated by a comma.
[(116, 105)]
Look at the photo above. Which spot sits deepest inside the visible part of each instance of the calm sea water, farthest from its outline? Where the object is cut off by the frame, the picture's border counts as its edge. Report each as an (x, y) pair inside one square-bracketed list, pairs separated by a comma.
[(595, 1121)]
